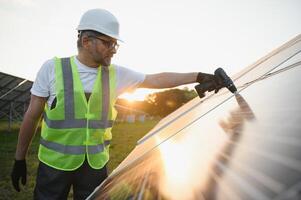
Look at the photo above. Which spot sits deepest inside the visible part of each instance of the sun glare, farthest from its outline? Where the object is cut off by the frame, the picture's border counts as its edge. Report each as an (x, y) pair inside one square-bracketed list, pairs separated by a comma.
[(137, 95), (129, 97), (187, 163)]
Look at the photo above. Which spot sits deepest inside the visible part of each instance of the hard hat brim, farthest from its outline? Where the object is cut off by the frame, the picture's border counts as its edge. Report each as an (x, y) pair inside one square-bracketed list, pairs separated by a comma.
[(79, 28)]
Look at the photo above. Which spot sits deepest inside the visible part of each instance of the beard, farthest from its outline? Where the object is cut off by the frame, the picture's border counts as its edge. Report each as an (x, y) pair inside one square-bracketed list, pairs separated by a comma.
[(106, 61), (101, 59)]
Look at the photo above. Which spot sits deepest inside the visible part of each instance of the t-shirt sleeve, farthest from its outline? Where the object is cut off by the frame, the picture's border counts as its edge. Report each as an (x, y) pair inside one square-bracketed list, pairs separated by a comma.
[(127, 80), (41, 84)]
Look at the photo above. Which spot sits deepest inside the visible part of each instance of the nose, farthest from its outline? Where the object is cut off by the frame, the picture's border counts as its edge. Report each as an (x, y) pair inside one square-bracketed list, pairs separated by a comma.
[(113, 50)]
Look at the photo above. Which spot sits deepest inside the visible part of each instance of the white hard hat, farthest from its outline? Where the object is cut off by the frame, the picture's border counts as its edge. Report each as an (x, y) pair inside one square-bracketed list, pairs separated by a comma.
[(100, 20)]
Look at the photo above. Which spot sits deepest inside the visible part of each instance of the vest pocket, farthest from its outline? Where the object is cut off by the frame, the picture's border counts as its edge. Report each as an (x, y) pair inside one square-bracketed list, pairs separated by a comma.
[(53, 104)]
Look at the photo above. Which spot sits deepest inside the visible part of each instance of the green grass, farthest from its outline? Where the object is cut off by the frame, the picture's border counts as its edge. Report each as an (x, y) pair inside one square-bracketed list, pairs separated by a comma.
[(125, 136)]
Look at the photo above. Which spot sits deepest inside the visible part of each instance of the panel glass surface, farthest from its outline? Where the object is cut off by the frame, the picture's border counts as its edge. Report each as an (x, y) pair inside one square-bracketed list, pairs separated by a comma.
[(286, 55), (246, 146)]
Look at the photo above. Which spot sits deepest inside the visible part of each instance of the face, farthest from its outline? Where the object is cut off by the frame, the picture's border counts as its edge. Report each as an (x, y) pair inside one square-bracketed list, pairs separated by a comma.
[(102, 49)]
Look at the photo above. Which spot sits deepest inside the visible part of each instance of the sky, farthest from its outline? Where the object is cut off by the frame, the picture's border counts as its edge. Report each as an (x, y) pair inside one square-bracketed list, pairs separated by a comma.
[(159, 35)]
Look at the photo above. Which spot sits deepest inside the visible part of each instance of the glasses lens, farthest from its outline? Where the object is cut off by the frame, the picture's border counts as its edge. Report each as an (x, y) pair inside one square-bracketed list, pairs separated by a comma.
[(114, 46), (108, 44)]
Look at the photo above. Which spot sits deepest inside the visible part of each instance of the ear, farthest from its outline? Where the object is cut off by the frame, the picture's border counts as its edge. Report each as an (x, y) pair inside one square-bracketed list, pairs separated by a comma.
[(85, 41)]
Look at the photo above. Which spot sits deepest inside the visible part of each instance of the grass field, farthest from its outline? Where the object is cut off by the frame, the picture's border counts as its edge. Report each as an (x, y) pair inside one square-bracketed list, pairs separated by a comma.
[(125, 136)]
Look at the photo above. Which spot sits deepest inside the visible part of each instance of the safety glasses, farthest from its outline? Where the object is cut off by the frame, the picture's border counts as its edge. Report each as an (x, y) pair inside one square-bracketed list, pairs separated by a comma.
[(109, 44)]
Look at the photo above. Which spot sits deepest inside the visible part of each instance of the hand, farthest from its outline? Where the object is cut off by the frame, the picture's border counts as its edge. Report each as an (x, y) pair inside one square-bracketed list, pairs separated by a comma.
[(19, 171), (212, 80)]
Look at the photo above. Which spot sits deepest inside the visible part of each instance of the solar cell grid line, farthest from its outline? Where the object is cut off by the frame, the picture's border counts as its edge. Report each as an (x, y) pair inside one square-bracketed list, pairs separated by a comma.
[(272, 54), (270, 73), (289, 162), (268, 181), (266, 66), (290, 62), (243, 81), (267, 75)]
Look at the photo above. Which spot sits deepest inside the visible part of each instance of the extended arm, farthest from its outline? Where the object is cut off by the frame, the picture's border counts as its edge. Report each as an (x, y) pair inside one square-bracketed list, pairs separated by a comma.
[(168, 80), (29, 125), (27, 130)]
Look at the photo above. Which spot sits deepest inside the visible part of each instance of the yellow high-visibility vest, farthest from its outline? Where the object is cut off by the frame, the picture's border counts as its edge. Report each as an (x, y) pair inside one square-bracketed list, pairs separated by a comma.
[(76, 128)]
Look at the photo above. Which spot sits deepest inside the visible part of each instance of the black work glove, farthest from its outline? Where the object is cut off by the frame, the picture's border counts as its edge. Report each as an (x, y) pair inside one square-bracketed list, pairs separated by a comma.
[(19, 171), (213, 81)]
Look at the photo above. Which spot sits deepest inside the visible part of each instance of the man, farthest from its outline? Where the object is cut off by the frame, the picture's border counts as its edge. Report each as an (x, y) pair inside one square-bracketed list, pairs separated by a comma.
[(76, 96)]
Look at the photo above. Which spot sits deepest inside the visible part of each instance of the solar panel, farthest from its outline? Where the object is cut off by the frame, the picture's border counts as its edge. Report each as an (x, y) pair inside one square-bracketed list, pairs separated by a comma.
[(14, 96), (245, 146)]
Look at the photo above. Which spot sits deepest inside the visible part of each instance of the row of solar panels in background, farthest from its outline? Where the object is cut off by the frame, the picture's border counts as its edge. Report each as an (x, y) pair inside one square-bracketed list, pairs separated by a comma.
[(14, 95)]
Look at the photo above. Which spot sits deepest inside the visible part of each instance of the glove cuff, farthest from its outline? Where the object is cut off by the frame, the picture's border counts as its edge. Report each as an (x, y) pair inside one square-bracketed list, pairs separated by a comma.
[(203, 77), (20, 161)]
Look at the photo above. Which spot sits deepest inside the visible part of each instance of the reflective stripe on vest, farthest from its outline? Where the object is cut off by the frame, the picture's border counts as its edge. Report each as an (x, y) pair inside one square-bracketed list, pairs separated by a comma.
[(70, 121), (77, 123), (74, 150)]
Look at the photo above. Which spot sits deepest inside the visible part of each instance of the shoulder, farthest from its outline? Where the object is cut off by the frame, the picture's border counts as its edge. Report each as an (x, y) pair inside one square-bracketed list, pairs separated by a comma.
[(47, 67), (49, 63), (123, 71), (44, 79), (119, 68)]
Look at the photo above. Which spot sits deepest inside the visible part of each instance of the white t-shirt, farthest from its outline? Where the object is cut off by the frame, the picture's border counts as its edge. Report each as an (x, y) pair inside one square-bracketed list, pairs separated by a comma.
[(44, 85)]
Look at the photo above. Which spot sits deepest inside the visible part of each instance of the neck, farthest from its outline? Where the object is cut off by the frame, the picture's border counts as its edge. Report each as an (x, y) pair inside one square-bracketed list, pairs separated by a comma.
[(85, 59)]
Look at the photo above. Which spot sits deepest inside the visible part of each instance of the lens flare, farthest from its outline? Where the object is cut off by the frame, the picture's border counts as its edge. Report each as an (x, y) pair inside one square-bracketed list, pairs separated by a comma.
[(183, 161)]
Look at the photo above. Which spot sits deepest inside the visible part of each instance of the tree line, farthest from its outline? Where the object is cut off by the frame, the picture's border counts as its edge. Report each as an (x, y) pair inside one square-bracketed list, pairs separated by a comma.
[(161, 103)]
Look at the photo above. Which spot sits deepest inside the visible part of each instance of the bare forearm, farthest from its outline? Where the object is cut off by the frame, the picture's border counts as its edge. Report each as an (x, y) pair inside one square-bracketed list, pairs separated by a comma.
[(27, 131), (29, 125), (168, 80)]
